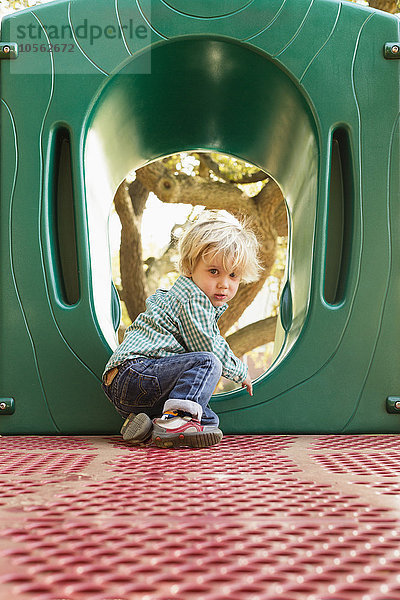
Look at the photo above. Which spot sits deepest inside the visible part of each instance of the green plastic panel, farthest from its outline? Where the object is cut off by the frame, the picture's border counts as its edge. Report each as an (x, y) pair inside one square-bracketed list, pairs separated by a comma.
[(300, 88)]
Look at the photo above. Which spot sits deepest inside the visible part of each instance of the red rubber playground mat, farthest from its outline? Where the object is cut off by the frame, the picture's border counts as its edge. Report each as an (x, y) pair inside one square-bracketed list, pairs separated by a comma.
[(255, 518)]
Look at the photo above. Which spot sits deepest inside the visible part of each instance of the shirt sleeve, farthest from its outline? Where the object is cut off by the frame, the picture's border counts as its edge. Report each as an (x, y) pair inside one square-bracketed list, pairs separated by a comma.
[(200, 333)]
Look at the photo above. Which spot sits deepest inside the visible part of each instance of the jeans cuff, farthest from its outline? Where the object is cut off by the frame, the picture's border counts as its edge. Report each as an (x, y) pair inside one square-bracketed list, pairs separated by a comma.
[(187, 405)]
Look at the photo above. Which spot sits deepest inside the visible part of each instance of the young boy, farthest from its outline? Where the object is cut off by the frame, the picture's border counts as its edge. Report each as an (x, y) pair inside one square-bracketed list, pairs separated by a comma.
[(173, 355)]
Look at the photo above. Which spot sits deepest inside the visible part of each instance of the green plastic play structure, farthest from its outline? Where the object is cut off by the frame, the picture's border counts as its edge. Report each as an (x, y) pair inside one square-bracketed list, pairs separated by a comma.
[(307, 90)]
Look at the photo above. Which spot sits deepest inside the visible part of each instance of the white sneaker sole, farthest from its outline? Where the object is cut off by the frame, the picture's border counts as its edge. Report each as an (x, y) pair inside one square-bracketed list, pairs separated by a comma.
[(192, 439), (137, 429)]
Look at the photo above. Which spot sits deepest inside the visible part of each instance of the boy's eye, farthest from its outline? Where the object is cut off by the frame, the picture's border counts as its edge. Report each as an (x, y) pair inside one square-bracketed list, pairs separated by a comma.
[(213, 271), (233, 275)]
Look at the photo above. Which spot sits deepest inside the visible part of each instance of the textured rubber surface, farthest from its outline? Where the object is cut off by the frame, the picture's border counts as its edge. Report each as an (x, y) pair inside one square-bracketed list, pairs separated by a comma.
[(253, 518)]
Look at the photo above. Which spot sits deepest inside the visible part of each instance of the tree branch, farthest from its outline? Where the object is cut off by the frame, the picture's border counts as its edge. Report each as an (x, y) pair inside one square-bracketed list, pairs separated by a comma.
[(389, 6), (266, 212), (185, 189), (211, 165), (252, 336)]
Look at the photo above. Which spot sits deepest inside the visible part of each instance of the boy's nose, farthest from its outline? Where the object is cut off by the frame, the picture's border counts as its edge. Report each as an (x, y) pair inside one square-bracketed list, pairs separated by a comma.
[(222, 283)]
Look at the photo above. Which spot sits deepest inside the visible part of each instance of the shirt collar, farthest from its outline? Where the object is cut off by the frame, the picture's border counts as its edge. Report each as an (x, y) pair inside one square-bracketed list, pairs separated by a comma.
[(183, 285)]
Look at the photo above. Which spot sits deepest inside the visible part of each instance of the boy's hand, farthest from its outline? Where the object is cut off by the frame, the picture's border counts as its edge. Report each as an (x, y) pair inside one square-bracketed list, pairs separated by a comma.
[(247, 384)]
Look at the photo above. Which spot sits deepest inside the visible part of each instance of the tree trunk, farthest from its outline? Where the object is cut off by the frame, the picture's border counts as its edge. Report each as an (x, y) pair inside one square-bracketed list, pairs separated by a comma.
[(129, 204), (390, 6), (266, 213), (270, 221)]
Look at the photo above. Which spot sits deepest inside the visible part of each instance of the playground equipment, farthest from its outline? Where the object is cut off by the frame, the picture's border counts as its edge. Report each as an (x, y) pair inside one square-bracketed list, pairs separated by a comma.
[(307, 90)]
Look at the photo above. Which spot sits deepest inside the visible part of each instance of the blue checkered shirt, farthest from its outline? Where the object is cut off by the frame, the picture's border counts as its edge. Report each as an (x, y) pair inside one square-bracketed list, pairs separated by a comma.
[(176, 321)]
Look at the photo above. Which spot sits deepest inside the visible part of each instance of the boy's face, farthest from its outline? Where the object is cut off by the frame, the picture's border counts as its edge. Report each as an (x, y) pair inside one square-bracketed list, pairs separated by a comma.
[(219, 285)]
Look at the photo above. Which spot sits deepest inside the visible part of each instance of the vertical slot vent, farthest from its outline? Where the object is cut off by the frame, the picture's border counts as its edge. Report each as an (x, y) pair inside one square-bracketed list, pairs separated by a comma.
[(63, 220), (340, 218)]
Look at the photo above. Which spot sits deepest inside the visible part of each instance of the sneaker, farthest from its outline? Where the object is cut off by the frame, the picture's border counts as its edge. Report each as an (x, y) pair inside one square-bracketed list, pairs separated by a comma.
[(173, 431), (137, 428)]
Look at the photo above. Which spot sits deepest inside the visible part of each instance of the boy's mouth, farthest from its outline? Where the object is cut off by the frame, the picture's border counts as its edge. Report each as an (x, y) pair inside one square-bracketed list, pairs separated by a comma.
[(220, 296)]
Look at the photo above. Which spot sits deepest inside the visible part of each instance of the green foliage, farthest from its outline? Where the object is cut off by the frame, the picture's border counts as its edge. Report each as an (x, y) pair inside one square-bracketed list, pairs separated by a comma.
[(19, 4), (9, 6)]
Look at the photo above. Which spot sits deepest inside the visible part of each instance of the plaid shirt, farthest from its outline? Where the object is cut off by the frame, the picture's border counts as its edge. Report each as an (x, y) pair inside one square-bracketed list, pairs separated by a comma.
[(176, 321)]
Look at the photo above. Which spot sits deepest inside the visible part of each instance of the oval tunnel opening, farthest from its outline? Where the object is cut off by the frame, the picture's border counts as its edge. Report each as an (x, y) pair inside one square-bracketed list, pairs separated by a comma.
[(145, 227), (136, 120)]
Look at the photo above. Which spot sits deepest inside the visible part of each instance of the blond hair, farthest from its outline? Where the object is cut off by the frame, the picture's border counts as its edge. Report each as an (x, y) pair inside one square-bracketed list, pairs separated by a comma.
[(212, 234)]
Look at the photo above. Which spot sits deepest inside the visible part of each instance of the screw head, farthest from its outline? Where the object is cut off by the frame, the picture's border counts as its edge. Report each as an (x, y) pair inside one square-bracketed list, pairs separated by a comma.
[(395, 49), (3, 405), (397, 405), (6, 49)]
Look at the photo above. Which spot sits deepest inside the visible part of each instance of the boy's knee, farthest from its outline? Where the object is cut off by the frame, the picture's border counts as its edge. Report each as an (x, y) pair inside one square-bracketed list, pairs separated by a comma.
[(215, 363)]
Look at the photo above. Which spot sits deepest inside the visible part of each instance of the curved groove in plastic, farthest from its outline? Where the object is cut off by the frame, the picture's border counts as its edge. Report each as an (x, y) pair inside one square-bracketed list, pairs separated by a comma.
[(268, 26), (12, 268), (357, 279), (228, 14), (80, 47), (121, 28), (40, 219), (389, 273), (297, 32), (151, 26), (323, 45)]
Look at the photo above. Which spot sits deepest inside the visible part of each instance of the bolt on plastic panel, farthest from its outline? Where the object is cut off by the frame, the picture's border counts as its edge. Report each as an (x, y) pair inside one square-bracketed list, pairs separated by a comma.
[(255, 518)]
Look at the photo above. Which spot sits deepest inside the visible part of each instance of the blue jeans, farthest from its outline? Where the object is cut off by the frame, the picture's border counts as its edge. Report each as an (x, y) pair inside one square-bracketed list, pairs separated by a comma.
[(144, 384)]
